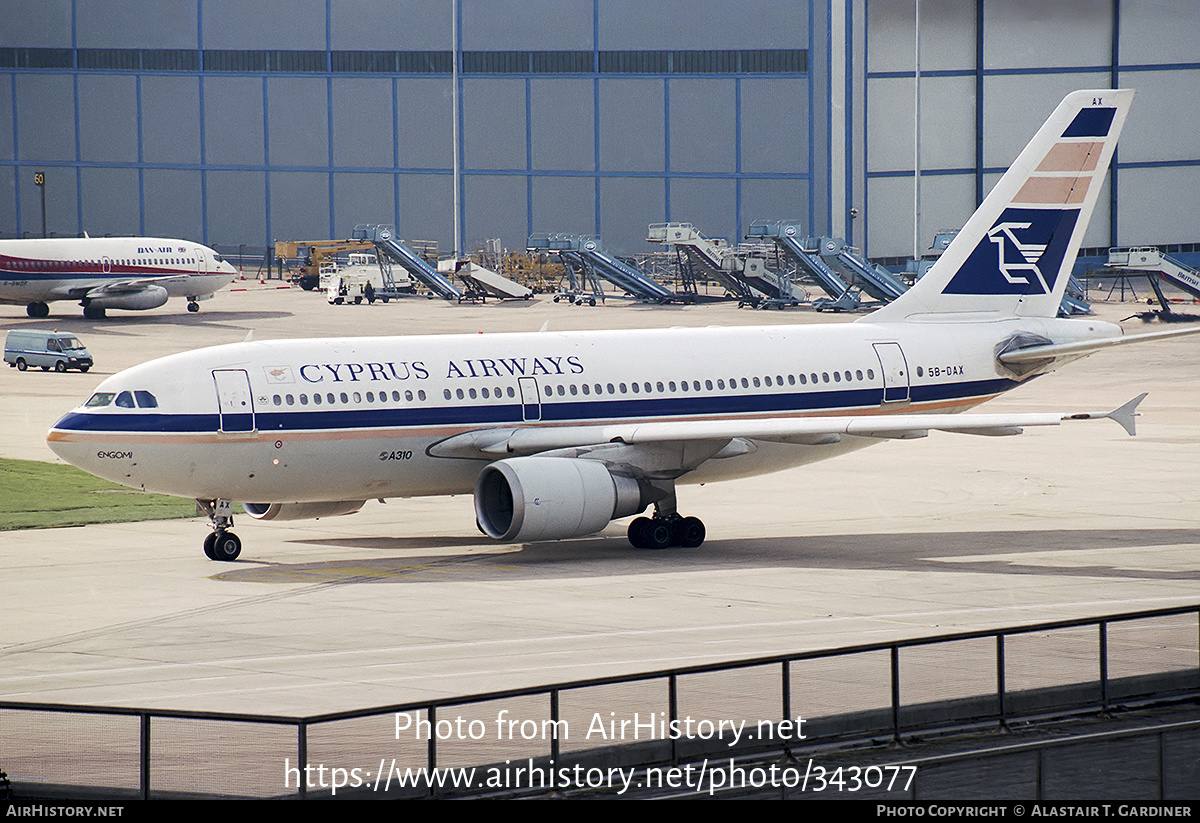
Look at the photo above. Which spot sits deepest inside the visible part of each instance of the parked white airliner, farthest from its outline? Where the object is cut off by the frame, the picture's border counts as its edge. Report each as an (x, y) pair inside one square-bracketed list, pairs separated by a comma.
[(559, 434), (136, 273)]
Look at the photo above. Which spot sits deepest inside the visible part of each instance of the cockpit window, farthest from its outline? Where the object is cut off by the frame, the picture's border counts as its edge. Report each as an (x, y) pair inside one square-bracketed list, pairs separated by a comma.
[(100, 398), (125, 400), (146, 400)]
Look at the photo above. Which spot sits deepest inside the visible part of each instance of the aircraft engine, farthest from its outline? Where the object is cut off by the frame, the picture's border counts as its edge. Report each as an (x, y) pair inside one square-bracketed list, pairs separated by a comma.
[(149, 297), (301, 511), (524, 499)]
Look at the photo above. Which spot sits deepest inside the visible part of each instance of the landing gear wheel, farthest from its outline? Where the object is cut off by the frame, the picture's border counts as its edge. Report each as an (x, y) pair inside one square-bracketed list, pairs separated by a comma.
[(209, 542), (226, 546), (193, 307), (93, 312), (37, 309), (647, 533), (688, 532)]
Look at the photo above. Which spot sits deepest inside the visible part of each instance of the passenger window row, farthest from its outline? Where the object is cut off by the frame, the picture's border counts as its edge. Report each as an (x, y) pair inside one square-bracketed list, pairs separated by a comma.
[(720, 384), (345, 398)]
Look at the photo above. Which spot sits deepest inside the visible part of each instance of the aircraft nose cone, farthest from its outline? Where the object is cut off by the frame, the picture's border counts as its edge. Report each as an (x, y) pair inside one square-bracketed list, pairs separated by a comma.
[(62, 443)]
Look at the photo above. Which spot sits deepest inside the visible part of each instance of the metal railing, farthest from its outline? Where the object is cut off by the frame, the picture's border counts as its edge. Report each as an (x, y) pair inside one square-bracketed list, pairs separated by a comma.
[(783, 702)]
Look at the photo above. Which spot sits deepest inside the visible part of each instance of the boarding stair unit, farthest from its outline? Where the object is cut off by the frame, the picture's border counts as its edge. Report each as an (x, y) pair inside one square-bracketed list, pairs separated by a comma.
[(713, 258), (874, 279), (1152, 261), (585, 254), (484, 281), (414, 264)]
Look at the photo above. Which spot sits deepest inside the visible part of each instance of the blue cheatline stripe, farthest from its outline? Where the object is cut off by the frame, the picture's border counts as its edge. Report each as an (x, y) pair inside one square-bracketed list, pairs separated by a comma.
[(581, 411), (1091, 123)]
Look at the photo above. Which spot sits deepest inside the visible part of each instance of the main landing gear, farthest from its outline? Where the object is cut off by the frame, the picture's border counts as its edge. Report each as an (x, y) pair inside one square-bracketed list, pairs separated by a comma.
[(222, 544), (661, 532), (667, 527), (37, 309), (193, 306)]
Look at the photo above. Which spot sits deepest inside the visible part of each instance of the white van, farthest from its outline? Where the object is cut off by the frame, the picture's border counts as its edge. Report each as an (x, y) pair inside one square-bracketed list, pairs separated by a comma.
[(49, 349)]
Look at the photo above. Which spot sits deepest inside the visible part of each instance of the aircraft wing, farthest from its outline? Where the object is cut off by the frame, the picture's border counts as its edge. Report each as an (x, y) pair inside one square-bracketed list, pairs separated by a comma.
[(499, 443)]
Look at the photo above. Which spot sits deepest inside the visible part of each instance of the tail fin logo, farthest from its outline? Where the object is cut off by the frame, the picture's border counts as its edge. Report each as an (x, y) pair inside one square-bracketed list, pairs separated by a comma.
[(1021, 254), (1030, 254)]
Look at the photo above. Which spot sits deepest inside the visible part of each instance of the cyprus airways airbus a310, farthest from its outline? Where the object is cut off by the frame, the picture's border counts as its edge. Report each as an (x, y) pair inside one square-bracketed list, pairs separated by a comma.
[(135, 273), (559, 434)]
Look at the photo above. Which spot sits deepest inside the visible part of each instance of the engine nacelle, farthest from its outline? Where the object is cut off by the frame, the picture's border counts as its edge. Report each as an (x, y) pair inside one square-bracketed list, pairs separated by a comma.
[(149, 297), (524, 499), (301, 511)]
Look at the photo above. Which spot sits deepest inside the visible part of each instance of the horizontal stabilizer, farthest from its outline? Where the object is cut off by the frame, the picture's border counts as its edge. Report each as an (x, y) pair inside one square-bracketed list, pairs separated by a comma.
[(1038, 354)]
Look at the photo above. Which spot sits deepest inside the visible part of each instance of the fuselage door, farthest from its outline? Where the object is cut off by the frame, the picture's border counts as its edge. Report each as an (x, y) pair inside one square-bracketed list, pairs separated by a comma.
[(201, 262), (234, 400), (895, 372), (531, 401)]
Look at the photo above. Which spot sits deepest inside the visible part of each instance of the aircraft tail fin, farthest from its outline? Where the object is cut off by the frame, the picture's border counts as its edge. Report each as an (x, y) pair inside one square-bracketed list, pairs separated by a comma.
[(1014, 255)]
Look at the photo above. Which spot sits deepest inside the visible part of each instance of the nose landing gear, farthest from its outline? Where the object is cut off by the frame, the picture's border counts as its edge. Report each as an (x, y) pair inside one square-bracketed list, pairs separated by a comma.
[(222, 544)]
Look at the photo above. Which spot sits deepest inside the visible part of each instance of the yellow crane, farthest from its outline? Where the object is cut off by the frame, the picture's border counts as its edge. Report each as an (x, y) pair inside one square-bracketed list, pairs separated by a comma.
[(313, 253)]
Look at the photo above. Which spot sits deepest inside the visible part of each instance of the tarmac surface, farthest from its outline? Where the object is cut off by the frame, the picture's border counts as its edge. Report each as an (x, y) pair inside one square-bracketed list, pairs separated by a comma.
[(407, 601)]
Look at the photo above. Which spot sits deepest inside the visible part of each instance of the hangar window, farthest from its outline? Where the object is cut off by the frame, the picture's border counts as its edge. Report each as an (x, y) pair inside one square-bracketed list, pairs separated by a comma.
[(103, 398)]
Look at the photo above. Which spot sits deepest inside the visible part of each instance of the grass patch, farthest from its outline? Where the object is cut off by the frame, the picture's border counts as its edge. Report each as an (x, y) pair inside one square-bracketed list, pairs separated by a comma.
[(37, 495)]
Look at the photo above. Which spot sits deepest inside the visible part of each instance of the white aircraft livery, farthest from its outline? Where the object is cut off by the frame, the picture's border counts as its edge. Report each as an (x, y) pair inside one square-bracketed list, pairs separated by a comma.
[(136, 273), (558, 434)]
